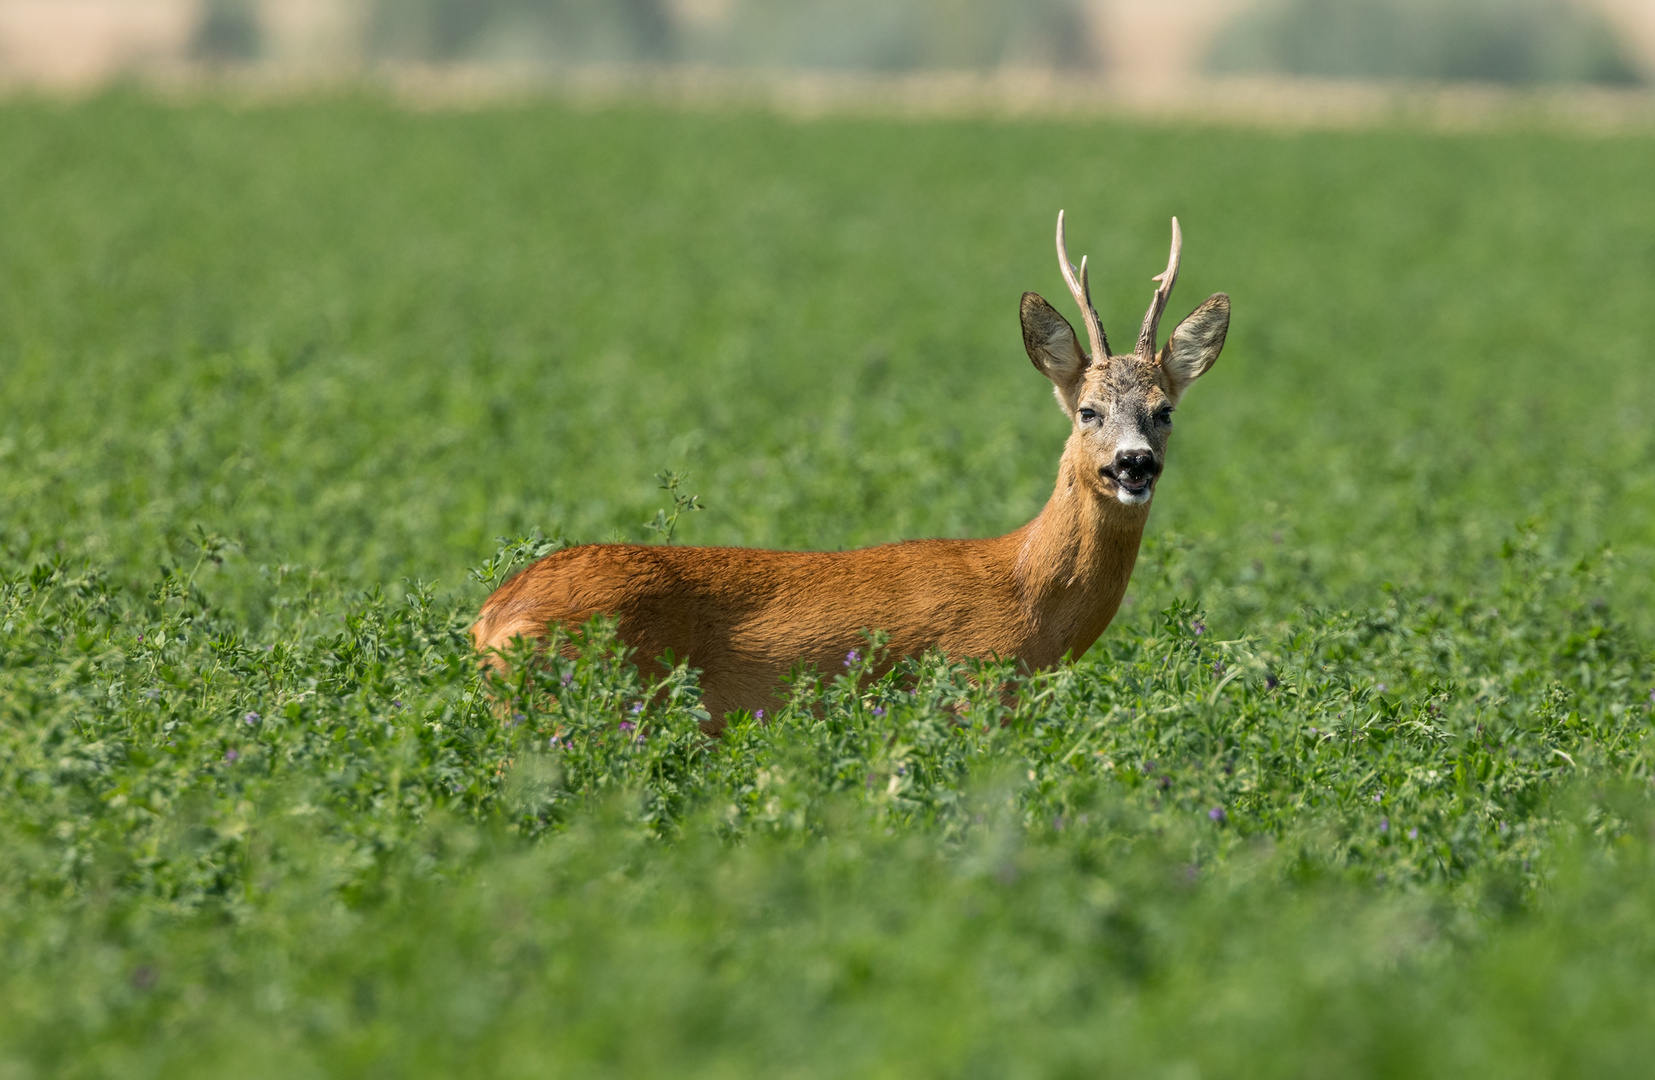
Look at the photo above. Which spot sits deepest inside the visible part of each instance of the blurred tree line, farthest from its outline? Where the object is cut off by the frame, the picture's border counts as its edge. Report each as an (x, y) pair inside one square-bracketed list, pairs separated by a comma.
[(1518, 42), (879, 35), (1504, 41)]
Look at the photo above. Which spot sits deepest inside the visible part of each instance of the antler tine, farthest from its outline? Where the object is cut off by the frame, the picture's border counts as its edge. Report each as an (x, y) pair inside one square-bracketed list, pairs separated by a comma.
[(1163, 291), (1080, 288)]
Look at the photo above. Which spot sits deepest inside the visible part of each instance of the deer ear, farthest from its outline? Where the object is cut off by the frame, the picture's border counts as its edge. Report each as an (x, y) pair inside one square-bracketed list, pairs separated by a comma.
[(1051, 344), (1194, 346)]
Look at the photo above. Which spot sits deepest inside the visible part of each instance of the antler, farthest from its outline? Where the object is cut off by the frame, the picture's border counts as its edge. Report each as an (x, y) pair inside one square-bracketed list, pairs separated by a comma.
[(1163, 291), (1081, 290)]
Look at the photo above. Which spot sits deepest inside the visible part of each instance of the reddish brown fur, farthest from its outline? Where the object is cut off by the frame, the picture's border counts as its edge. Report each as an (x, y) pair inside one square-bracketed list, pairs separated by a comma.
[(745, 617)]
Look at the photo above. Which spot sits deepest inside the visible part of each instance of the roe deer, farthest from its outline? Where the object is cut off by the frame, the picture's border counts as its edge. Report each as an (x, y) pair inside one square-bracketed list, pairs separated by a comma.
[(745, 617)]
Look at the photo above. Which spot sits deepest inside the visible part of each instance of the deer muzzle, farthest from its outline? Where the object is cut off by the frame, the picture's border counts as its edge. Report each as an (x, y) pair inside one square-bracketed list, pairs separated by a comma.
[(1134, 472)]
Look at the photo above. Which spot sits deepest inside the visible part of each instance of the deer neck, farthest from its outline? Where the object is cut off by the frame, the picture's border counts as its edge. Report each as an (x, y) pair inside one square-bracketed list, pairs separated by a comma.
[(1074, 560)]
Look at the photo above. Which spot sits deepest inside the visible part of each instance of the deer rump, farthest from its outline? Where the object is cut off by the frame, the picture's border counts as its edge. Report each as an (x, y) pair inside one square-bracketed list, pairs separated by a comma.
[(746, 617)]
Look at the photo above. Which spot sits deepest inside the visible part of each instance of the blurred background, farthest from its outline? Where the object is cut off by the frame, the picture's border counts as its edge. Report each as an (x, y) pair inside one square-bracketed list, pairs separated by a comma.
[(1136, 43)]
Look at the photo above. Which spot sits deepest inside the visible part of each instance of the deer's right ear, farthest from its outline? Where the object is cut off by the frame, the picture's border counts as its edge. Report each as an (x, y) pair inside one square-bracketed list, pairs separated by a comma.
[(1052, 347)]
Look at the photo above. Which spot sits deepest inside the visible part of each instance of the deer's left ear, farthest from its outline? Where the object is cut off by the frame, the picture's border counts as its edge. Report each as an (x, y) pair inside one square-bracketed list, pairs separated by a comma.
[(1195, 345)]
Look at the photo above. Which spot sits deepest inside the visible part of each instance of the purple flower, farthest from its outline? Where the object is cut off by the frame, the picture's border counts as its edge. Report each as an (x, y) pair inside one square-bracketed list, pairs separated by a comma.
[(1218, 667), (852, 657), (758, 715), (568, 677), (1376, 796), (637, 707), (230, 755), (1382, 688), (396, 703), (250, 719), (517, 717), (1199, 627), (141, 639), (1270, 682), (627, 725), (1413, 834), (1217, 814), (1384, 824), (877, 711)]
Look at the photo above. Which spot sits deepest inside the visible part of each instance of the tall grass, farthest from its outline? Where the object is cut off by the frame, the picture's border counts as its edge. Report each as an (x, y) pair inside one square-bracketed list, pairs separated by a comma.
[(1358, 781)]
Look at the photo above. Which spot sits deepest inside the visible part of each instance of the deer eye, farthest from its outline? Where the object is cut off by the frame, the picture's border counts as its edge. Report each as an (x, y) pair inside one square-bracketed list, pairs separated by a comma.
[(1163, 416), (1088, 415)]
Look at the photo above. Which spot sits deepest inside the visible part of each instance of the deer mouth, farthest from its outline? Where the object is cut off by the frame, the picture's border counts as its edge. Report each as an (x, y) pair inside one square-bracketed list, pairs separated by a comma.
[(1132, 489)]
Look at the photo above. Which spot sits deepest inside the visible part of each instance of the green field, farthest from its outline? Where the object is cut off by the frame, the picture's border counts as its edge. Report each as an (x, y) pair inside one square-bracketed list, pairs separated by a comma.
[(1358, 783)]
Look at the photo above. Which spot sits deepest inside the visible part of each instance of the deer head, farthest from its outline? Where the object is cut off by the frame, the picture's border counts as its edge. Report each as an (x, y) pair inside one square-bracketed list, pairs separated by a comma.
[(1121, 406)]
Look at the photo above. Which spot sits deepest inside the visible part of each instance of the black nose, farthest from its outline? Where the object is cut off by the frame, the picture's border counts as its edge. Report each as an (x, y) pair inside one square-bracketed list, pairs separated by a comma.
[(1136, 465)]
